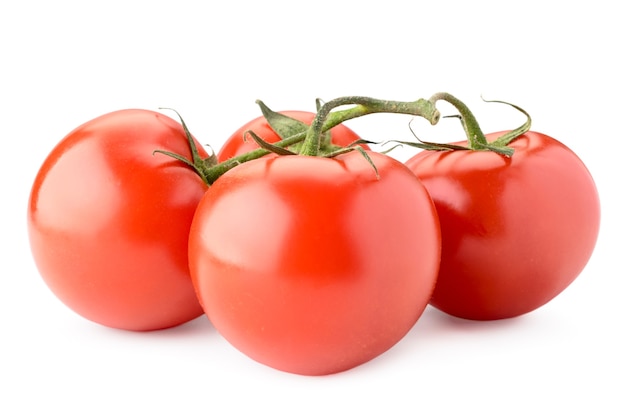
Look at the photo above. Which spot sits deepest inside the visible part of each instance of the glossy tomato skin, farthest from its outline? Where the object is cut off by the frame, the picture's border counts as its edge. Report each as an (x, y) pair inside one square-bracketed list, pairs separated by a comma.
[(311, 265), (235, 145), (108, 221), (515, 231)]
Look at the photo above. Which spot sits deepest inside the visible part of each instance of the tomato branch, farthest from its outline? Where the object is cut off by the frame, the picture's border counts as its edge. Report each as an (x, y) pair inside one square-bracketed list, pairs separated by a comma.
[(325, 119), (475, 137), (214, 172)]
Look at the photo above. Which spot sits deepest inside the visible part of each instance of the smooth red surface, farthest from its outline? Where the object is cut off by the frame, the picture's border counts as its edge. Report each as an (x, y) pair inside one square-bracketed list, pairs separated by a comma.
[(311, 265), (516, 231), (108, 221)]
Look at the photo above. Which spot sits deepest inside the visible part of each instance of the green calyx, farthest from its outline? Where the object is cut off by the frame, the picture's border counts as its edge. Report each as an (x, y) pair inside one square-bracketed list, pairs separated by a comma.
[(325, 119), (299, 138), (475, 137), (202, 166), (315, 139)]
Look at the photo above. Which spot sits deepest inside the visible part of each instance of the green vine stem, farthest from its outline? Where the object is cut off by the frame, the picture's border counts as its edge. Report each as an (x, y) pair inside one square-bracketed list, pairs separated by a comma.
[(211, 174), (475, 137), (325, 119), (209, 170)]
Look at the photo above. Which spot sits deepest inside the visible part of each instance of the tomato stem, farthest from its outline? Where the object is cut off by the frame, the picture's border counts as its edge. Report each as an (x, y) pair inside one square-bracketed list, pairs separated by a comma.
[(325, 119), (475, 137), (209, 169), (214, 172)]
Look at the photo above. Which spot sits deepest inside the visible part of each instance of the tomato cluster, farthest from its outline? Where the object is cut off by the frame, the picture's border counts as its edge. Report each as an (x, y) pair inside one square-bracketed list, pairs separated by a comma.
[(308, 264)]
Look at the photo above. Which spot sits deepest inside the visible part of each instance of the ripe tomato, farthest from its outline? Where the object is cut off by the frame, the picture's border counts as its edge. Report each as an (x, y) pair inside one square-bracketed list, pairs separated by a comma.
[(236, 145), (108, 221), (515, 231), (313, 265)]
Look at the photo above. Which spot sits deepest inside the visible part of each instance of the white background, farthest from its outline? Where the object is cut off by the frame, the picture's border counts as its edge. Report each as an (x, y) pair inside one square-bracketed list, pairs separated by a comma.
[(63, 63)]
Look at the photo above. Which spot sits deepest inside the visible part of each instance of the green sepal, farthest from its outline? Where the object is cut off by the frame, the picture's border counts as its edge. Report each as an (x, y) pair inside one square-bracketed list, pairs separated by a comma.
[(361, 150), (284, 126), (268, 146), (200, 165)]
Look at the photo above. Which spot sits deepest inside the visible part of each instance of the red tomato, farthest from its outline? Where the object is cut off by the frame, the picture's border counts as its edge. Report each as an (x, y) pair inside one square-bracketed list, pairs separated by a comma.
[(108, 221), (236, 145), (515, 231), (311, 265)]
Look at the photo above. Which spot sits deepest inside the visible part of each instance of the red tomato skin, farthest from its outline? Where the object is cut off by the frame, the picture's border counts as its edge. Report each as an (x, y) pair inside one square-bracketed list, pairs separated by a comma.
[(515, 231), (310, 265), (235, 145), (108, 221)]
